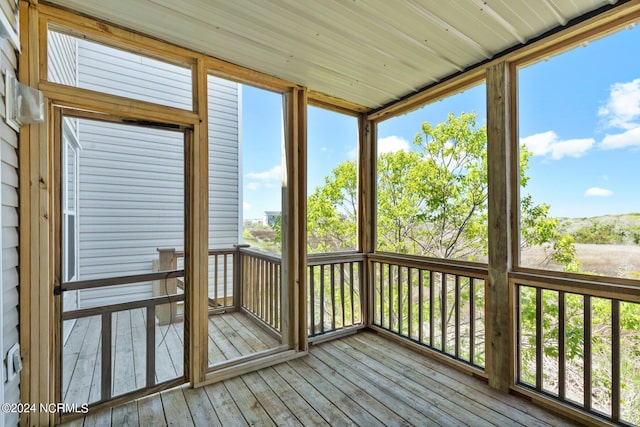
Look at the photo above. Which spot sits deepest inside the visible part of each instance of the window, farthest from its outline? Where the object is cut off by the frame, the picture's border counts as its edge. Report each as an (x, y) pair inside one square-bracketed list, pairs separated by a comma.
[(85, 64), (262, 144), (432, 180), (579, 140), (332, 181)]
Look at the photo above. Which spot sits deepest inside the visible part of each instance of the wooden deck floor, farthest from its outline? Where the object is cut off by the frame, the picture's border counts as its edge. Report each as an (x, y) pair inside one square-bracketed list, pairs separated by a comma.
[(231, 335), (359, 380)]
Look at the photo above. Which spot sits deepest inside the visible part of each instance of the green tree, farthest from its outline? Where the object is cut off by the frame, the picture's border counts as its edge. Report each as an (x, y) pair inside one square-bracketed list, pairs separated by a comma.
[(432, 201)]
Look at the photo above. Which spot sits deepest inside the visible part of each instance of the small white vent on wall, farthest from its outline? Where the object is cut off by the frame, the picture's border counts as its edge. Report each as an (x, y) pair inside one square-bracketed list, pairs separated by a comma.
[(23, 104)]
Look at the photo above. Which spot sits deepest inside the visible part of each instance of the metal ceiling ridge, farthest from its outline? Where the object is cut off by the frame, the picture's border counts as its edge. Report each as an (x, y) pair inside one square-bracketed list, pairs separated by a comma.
[(570, 23)]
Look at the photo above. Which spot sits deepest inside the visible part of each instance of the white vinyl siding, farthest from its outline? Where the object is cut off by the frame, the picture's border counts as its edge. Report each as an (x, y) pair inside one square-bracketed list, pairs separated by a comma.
[(9, 326), (131, 188), (224, 163), (131, 204), (225, 221)]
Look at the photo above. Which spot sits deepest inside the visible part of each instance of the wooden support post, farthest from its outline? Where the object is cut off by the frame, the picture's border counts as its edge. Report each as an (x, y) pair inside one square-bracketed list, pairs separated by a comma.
[(167, 261), (501, 182), (237, 276), (367, 160), (294, 217)]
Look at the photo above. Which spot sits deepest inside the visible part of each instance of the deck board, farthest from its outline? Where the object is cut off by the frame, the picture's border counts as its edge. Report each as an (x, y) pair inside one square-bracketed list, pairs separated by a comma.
[(362, 379), (233, 332)]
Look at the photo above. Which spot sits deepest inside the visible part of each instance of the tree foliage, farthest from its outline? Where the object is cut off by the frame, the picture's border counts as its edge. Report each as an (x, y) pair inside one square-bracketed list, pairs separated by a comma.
[(431, 200)]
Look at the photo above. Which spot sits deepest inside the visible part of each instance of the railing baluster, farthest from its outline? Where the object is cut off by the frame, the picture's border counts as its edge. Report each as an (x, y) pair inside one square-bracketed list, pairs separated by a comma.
[(410, 302), (322, 298), (215, 280), (431, 297), (420, 306), (457, 316), (390, 300), (615, 360), (106, 368), (443, 311), (472, 319), (268, 298), (225, 295), (312, 299), (381, 267), (342, 303), (539, 352), (151, 346), (332, 278), (587, 352), (353, 296), (561, 345), (400, 283)]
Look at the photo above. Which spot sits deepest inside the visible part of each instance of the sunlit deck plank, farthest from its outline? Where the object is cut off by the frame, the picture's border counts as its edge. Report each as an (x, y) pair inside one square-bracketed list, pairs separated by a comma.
[(468, 387), (224, 406), (385, 406), (305, 413), (363, 379), (322, 405), (269, 400), (125, 415), (150, 411), (199, 403), (175, 407), (249, 406)]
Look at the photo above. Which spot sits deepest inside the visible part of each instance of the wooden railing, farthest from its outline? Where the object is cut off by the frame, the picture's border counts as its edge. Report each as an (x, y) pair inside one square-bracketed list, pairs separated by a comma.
[(260, 286), (247, 279), (222, 268), (439, 305), (579, 343), (152, 306), (334, 283)]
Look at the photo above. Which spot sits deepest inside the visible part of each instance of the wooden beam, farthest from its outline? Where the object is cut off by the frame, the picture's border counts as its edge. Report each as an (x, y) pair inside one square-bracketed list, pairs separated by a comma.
[(433, 93), (243, 75), (499, 302), (332, 103), (112, 35), (90, 100)]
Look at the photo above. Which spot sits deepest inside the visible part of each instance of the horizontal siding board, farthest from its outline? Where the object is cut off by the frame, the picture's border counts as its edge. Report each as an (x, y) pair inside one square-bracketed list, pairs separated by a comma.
[(10, 263), (9, 175), (9, 196), (118, 72), (9, 137), (9, 238), (10, 217), (9, 322)]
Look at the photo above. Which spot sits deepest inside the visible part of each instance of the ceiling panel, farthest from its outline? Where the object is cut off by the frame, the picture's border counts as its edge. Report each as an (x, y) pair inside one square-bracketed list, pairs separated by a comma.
[(370, 52)]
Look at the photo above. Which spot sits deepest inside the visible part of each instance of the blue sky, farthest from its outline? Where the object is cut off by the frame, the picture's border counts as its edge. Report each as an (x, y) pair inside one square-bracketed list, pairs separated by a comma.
[(579, 113)]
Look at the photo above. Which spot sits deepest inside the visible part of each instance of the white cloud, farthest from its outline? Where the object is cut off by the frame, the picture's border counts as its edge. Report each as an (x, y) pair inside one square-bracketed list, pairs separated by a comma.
[(391, 144), (253, 186), (548, 144), (623, 106), (629, 138), (598, 192), (272, 174), (246, 205)]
